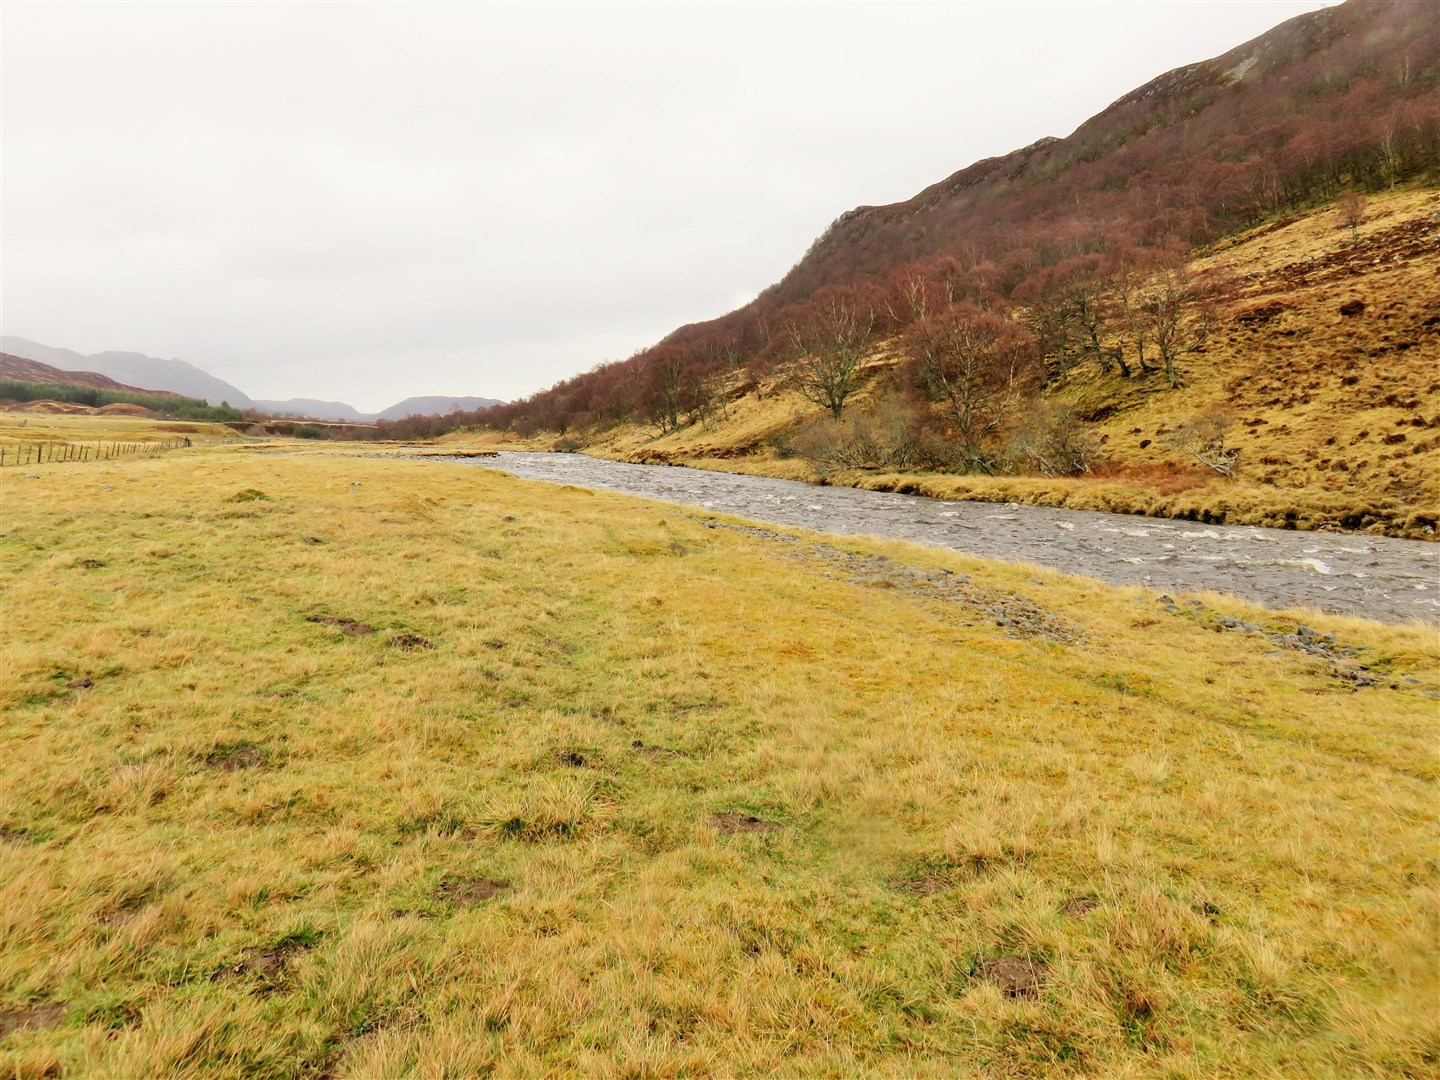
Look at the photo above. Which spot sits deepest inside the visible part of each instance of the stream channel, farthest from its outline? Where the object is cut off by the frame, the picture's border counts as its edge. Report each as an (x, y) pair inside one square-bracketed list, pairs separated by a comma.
[(1375, 577)]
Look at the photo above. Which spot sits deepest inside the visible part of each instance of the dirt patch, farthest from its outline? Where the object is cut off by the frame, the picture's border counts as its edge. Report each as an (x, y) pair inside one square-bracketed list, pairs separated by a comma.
[(928, 885), (91, 564), (938, 873), (572, 758), (466, 891), (347, 625), (37, 1016), (730, 824), (1016, 976), (237, 757), (1077, 907), (14, 836), (653, 751), (312, 540), (269, 964), (410, 641), (80, 684)]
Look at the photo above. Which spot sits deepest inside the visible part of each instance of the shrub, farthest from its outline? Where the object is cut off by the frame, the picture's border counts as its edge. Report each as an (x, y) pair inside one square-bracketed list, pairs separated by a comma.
[(1052, 441)]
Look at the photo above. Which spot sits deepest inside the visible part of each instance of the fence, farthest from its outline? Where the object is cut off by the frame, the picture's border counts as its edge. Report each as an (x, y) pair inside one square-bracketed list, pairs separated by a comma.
[(45, 453)]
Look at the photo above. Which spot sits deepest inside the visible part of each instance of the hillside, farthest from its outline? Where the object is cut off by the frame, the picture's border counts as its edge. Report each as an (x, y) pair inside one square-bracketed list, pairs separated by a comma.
[(171, 376), (434, 405), (1068, 310), (1325, 361), (25, 370), (1345, 95)]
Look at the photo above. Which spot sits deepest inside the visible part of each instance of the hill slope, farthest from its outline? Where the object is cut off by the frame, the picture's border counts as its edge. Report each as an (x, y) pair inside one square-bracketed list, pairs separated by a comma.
[(174, 376), (434, 406), (26, 370), (1325, 365), (1069, 246)]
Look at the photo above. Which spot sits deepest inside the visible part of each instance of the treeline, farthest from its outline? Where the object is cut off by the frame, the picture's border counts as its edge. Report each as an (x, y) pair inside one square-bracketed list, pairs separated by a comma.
[(172, 405)]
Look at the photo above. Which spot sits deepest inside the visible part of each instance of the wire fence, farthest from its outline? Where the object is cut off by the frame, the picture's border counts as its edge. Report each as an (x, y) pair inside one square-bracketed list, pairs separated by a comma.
[(46, 453)]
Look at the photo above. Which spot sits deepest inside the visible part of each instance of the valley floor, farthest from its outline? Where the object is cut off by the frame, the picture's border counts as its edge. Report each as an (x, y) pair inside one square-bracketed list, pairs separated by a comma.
[(323, 766)]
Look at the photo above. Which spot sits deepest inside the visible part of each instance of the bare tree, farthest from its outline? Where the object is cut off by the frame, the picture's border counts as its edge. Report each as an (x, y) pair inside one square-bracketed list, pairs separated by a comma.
[(832, 334), (978, 365), (1203, 439), (1351, 210), (1180, 315)]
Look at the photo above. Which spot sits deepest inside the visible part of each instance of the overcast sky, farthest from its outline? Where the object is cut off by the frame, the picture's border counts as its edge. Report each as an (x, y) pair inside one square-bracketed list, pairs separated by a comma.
[(367, 201)]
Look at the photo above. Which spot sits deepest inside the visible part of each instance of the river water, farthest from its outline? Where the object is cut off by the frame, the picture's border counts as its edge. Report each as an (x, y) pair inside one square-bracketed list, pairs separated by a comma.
[(1374, 577)]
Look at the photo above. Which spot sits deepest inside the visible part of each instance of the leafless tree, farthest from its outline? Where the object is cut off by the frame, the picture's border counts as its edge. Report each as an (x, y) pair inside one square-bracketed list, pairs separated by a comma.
[(832, 336), (1203, 439)]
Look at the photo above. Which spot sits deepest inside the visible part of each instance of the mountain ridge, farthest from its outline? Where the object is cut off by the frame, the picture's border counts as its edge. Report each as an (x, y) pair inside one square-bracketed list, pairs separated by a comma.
[(136, 371)]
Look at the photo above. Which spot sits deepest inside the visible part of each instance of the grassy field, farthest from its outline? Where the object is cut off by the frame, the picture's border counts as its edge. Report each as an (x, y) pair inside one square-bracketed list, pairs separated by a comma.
[(33, 428), (1335, 413), (346, 767)]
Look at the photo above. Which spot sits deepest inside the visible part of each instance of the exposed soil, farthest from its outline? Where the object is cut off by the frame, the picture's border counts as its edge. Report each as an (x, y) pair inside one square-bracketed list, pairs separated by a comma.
[(91, 564), (410, 641), (237, 757), (37, 1016), (573, 758), (267, 964), (466, 891), (80, 684), (730, 824), (651, 751), (928, 885), (1016, 976), (349, 626), (1077, 907), (14, 836)]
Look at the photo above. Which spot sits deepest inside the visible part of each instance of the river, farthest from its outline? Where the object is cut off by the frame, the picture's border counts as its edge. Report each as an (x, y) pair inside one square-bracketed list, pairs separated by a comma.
[(1374, 577)]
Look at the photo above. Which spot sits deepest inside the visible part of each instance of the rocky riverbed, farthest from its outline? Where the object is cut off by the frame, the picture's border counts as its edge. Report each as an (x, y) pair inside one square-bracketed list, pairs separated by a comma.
[(1353, 574)]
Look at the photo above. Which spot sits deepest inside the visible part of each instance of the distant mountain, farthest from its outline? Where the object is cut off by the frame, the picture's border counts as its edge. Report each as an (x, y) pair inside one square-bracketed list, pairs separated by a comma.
[(136, 369), (176, 376), (434, 406), (311, 408), (23, 369)]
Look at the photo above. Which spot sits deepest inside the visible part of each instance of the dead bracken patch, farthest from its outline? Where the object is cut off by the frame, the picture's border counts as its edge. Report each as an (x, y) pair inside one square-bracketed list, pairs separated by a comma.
[(236, 757), (37, 1016), (410, 641), (469, 890), (346, 625), (1016, 976), (729, 824), (1077, 907)]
